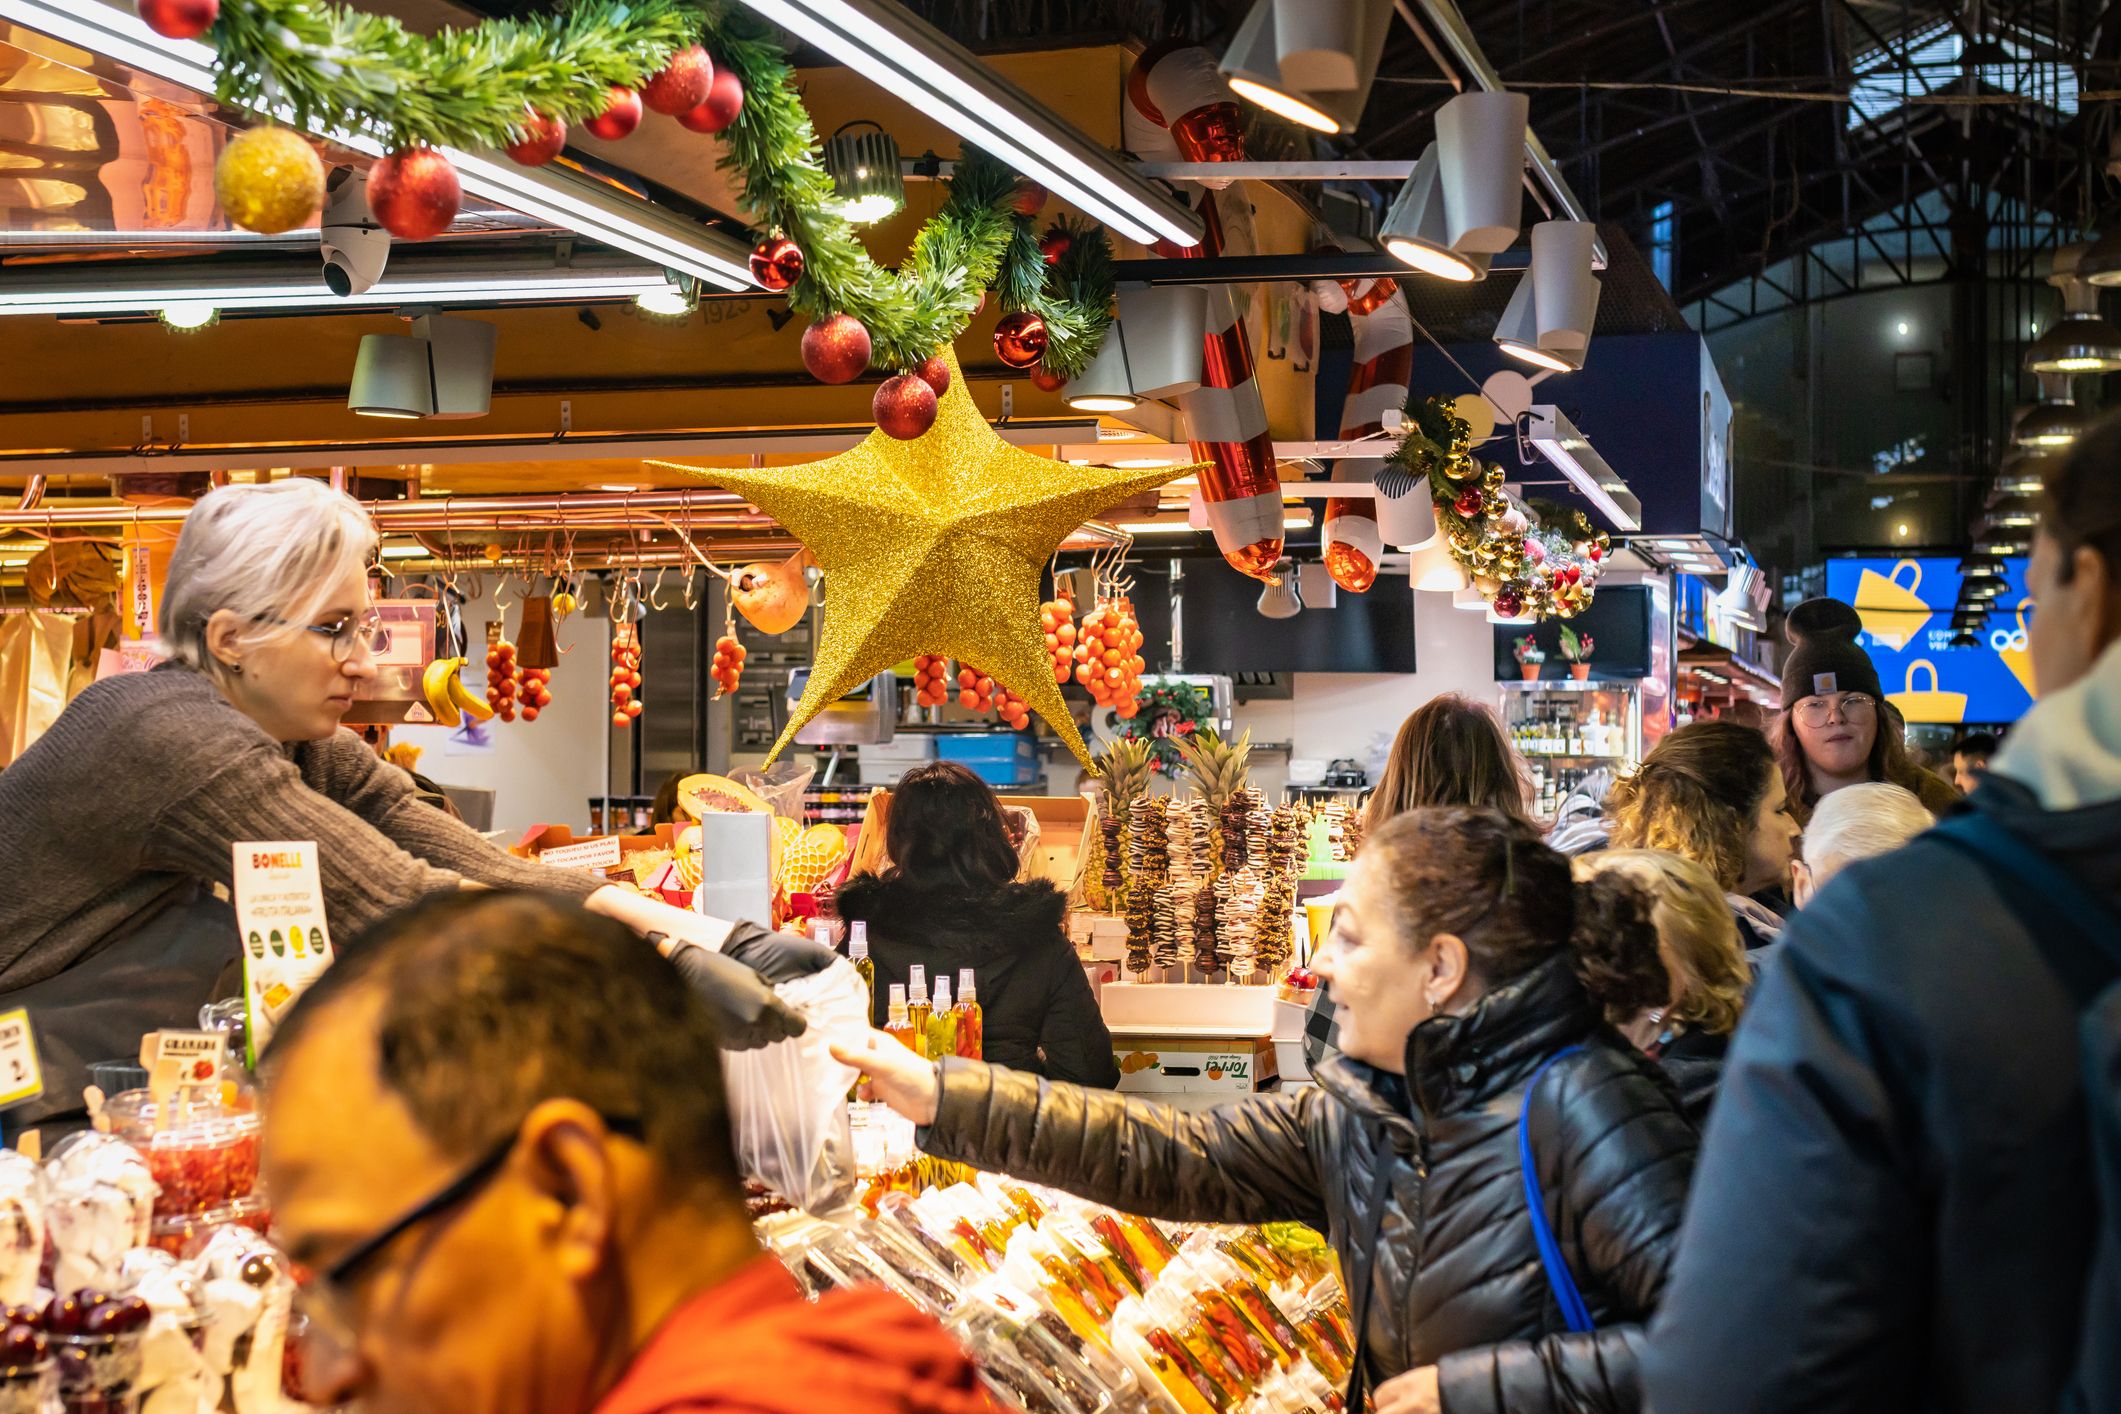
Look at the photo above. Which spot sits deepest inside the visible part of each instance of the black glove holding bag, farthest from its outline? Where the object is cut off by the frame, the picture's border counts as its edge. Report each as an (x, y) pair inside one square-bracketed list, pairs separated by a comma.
[(746, 1012)]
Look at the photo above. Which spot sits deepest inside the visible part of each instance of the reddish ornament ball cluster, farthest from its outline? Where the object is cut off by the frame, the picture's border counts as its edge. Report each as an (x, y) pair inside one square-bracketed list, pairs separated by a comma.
[(702, 95), (1020, 339), (1057, 618), (931, 680), (776, 264), (504, 688), (1108, 657), (539, 140), (836, 350), (625, 678), (681, 84), (621, 115), (728, 666)]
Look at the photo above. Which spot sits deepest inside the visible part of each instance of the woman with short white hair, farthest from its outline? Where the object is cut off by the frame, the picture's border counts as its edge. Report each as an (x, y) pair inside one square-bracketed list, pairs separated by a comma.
[(120, 823), (1854, 823)]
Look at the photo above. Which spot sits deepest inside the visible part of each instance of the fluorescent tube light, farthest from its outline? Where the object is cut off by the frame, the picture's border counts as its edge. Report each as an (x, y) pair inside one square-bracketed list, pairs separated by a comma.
[(1571, 452), (573, 202), (935, 75), (61, 291), (1295, 520)]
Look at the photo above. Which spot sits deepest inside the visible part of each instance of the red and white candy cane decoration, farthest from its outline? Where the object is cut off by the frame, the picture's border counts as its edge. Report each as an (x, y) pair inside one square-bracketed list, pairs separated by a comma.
[(1179, 91), (1384, 361)]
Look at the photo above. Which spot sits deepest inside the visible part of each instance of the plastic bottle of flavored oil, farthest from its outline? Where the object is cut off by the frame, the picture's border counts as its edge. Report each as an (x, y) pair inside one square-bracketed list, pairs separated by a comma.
[(898, 1022), (917, 1008), (858, 953), (942, 1023), (971, 1021)]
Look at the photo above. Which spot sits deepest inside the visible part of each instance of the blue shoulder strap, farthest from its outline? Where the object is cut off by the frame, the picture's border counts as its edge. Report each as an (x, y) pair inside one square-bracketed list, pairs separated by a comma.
[(1559, 1279)]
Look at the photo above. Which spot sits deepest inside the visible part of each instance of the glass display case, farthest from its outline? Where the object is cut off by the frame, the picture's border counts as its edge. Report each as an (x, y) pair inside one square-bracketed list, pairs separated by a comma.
[(1569, 731)]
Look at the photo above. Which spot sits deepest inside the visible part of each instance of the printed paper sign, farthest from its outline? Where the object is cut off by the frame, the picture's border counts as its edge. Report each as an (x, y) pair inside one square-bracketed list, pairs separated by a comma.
[(143, 591), (280, 914), (21, 1078), (197, 1056), (589, 854)]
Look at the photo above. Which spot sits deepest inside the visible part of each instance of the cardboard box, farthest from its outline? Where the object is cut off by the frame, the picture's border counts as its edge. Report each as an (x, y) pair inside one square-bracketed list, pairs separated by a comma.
[(1199, 1009), (1098, 937), (1064, 825), (1172, 1065)]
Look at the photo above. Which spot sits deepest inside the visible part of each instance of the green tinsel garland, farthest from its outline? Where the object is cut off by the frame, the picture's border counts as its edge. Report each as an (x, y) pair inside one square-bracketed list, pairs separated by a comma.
[(341, 69)]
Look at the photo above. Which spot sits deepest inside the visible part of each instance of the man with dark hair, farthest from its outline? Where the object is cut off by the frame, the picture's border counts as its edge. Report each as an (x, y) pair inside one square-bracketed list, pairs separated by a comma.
[(496, 1133), (1897, 1204), (1970, 757)]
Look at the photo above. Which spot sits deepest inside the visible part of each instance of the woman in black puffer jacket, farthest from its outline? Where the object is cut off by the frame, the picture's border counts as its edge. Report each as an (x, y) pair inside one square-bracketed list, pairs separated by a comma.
[(1467, 963)]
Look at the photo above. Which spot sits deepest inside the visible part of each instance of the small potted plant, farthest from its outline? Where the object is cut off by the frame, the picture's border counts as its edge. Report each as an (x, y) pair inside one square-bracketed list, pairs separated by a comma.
[(1529, 657), (1576, 648)]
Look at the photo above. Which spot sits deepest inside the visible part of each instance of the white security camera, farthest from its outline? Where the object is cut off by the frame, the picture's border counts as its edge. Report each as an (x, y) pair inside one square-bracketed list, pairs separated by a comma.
[(354, 246)]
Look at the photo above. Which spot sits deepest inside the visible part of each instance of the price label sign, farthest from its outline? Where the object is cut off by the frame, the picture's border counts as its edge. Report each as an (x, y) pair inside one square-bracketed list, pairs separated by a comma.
[(280, 915), (21, 1077), (143, 590), (195, 1056)]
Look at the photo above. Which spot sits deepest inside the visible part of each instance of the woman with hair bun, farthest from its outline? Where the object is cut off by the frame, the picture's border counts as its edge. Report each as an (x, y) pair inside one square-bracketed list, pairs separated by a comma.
[(1836, 727), (1474, 979)]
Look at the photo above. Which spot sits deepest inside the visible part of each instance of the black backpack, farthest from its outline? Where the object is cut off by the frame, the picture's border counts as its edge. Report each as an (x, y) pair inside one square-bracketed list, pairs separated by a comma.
[(2080, 936)]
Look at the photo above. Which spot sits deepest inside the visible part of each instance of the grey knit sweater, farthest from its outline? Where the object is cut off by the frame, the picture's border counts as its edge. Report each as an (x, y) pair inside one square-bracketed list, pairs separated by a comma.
[(147, 780)]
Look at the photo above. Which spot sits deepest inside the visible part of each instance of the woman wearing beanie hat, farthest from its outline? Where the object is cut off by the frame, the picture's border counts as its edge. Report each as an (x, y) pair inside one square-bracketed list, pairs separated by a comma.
[(1837, 729)]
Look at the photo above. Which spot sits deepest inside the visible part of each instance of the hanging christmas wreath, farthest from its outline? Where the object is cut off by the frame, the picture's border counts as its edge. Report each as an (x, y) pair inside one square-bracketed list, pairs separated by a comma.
[(1168, 713), (515, 84), (1533, 557)]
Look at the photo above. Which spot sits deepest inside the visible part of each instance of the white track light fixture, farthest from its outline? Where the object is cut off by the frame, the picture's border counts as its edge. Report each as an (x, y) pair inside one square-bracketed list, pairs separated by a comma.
[(1309, 61), (1548, 320), (443, 369), (1433, 571), (1465, 200), (1408, 521), (1156, 349), (1281, 599)]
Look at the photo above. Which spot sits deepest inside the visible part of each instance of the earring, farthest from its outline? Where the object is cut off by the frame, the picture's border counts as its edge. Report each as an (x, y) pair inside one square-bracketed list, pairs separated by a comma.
[(236, 668)]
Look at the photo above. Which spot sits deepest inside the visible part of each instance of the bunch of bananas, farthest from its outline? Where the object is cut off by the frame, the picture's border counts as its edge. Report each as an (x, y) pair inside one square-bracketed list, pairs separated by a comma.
[(442, 684)]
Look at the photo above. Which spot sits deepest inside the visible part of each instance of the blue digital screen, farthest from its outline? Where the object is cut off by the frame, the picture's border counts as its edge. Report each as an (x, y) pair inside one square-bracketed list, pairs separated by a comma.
[(1906, 606)]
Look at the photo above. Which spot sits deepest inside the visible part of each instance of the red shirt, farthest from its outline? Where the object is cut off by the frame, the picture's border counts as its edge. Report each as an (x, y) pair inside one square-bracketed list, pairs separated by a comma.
[(753, 1345)]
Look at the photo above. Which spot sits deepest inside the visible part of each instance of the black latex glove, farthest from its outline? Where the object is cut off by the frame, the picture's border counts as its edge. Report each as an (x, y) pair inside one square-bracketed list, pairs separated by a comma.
[(746, 1012), (777, 957)]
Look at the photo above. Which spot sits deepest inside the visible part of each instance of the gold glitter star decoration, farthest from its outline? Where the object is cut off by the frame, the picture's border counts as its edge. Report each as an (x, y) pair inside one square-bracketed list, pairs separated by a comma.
[(934, 545)]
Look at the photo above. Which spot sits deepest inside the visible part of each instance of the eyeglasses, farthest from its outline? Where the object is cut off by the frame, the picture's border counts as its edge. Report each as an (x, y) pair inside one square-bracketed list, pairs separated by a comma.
[(1853, 707), (351, 631), (325, 1297), (346, 633)]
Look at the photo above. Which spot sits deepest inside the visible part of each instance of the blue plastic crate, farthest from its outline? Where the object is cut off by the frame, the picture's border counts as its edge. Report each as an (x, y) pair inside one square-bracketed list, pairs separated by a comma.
[(998, 758)]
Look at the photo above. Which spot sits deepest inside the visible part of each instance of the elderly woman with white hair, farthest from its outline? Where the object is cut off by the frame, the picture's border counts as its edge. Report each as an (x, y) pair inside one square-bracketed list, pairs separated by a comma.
[(119, 824), (1855, 823)]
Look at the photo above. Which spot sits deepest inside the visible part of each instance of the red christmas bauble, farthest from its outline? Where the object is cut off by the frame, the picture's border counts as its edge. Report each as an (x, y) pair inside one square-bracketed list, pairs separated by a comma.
[(1596, 552), (1055, 245), (935, 372), (541, 140), (179, 19), (724, 100), (836, 350), (1029, 198), (620, 116), (680, 85), (1509, 602), (777, 264), (1046, 380), (1020, 339), (904, 406), (1468, 502), (414, 193)]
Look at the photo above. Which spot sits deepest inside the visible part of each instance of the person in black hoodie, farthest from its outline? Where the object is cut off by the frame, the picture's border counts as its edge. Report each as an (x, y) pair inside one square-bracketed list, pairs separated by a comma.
[(950, 901), (1480, 1085)]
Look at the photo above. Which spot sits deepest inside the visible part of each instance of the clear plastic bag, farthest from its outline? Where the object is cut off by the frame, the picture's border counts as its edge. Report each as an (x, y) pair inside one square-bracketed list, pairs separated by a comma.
[(780, 785), (788, 1101)]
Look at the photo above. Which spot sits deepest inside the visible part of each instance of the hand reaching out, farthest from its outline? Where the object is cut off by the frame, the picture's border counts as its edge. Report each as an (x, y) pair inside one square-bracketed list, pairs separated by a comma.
[(901, 1079)]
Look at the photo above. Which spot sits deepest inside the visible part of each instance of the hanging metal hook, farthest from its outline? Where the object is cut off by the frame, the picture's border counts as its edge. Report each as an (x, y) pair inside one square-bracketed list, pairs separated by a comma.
[(655, 594)]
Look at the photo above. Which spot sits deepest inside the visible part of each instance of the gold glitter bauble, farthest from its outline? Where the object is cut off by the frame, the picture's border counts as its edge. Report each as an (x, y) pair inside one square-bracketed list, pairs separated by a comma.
[(269, 180), (1462, 543), (935, 545), (1492, 478), (1460, 467)]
